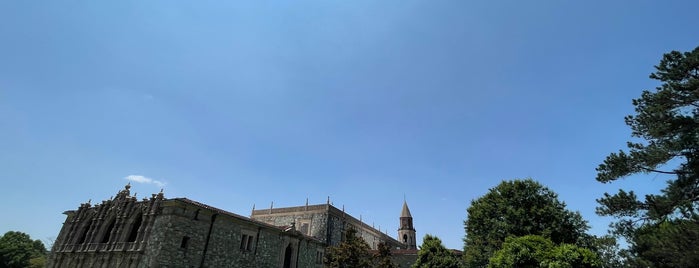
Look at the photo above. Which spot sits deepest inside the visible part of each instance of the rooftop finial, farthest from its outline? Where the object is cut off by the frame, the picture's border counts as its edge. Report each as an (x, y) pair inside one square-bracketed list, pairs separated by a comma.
[(328, 200)]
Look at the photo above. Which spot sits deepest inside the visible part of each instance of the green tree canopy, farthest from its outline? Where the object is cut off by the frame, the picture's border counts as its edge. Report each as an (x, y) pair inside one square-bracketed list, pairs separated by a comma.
[(524, 251), (673, 243), (667, 127), (433, 254), (665, 132), (538, 251), (383, 256), (518, 208), (17, 249), (352, 252)]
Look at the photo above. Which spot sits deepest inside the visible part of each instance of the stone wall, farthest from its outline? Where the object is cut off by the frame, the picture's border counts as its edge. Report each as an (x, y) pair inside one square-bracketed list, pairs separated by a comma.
[(160, 232), (311, 222), (404, 258), (326, 223), (216, 238)]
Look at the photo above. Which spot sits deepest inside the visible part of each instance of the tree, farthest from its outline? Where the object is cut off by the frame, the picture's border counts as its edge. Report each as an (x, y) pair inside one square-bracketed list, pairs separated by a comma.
[(571, 256), (672, 243), (383, 256), (538, 251), (665, 130), (352, 252), (609, 252), (518, 208), (524, 251), (433, 254), (17, 249)]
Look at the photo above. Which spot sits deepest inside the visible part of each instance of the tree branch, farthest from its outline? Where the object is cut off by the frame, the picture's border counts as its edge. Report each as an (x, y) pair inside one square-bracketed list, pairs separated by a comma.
[(660, 171)]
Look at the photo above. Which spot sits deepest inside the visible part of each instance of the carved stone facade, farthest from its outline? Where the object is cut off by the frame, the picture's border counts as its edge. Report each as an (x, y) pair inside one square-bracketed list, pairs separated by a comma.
[(178, 232), (113, 232), (160, 232)]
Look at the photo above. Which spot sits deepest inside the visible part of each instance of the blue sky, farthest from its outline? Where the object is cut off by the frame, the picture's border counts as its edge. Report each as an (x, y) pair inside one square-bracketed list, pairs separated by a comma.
[(241, 103)]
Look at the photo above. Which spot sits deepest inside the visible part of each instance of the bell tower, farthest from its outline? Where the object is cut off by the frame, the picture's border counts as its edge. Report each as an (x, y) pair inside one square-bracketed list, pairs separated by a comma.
[(406, 232)]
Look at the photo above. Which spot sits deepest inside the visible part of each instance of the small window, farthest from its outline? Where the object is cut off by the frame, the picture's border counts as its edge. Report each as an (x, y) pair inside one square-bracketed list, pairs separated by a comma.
[(319, 257), (246, 242), (185, 242)]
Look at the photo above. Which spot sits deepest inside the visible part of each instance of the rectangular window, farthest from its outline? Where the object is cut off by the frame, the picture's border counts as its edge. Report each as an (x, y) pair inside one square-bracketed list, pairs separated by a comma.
[(185, 242), (319, 257), (304, 228), (246, 242)]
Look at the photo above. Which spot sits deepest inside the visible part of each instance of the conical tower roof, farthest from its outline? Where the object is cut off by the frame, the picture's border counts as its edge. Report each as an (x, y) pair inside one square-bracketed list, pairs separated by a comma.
[(406, 211)]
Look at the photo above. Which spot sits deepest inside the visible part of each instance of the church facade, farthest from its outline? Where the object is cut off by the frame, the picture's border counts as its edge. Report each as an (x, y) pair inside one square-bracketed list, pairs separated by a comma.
[(178, 232)]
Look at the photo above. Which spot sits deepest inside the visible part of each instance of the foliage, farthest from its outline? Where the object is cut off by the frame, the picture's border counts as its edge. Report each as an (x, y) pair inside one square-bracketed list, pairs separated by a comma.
[(666, 132), (668, 244), (37, 262), (569, 256), (525, 251), (609, 252), (433, 254), (538, 251), (383, 257), (352, 252), (518, 208), (17, 249)]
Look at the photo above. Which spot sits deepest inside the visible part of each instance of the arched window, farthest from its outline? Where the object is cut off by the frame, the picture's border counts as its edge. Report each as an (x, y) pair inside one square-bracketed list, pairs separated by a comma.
[(405, 238), (83, 233), (134, 229), (287, 256), (108, 231)]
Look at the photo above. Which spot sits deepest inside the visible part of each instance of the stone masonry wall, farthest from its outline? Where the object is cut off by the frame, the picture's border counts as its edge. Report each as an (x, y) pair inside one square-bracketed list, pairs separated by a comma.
[(172, 227), (316, 219), (225, 236), (326, 223)]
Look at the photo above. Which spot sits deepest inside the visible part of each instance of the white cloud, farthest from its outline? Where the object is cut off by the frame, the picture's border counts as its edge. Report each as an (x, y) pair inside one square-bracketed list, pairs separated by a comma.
[(143, 179)]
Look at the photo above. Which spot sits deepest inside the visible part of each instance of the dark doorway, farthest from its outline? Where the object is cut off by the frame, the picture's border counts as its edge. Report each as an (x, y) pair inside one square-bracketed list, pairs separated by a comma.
[(287, 256)]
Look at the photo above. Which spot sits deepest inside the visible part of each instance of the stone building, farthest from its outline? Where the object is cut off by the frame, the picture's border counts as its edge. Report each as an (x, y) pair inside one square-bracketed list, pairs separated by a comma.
[(325, 222), (178, 232)]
